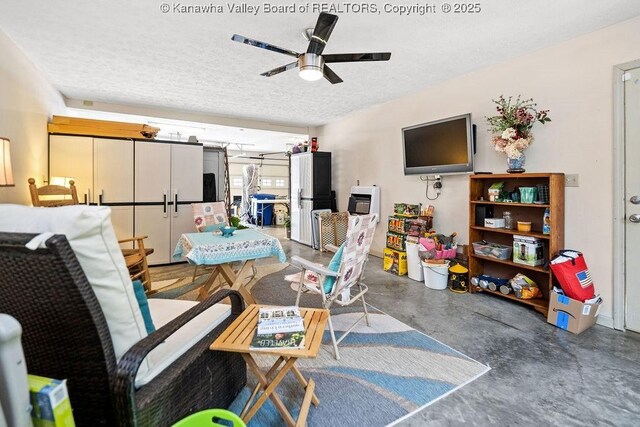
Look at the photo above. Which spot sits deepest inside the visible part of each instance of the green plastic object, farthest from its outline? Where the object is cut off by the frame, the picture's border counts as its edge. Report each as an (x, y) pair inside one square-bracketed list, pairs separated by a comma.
[(206, 419)]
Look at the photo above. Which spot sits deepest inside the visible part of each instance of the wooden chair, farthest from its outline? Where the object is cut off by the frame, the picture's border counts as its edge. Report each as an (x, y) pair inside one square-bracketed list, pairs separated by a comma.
[(53, 190), (136, 260)]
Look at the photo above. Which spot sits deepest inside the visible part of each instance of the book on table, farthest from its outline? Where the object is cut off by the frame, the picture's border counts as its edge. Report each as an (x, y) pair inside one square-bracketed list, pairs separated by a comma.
[(280, 327)]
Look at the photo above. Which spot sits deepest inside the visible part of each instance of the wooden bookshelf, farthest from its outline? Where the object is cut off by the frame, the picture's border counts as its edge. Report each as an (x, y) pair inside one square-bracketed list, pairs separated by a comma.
[(553, 242)]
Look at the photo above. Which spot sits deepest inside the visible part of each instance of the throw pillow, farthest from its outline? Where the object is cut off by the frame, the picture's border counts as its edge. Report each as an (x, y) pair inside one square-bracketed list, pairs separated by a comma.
[(334, 265), (138, 289)]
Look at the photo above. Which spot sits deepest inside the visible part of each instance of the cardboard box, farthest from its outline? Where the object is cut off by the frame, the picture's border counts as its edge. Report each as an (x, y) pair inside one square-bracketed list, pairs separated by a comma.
[(494, 222), (396, 241), (528, 250), (572, 315), (398, 225), (50, 403), (395, 261), (406, 210)]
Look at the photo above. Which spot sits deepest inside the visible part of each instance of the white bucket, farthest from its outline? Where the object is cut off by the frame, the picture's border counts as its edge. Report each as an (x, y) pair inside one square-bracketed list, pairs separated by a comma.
[(436, 275), (414, 267)]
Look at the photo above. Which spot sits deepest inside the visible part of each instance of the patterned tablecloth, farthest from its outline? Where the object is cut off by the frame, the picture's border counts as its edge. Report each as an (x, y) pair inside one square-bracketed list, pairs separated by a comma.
[(212, 249)]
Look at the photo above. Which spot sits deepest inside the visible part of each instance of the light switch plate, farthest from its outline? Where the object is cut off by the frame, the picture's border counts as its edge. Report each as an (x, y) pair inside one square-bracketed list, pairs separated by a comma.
[(571, 180)]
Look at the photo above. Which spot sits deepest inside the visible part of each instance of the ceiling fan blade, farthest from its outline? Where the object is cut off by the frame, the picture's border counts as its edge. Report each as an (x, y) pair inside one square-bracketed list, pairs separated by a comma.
[(263, 45), (331, 76), (280, 69), (357, 57), (322, 32)]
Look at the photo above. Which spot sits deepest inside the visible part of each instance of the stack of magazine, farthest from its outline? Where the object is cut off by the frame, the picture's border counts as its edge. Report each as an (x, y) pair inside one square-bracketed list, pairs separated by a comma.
[(280, 327)]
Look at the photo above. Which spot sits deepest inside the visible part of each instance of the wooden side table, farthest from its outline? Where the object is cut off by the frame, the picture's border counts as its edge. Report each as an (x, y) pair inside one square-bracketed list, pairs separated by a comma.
[(237, 338)]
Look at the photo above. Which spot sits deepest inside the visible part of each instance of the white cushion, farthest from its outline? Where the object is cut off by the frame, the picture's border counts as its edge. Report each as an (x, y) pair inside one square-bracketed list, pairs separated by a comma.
[(90, 234), (165, 310)]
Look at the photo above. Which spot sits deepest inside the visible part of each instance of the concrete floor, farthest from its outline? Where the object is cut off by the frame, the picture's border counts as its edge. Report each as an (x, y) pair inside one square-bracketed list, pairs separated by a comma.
[(540, 375)]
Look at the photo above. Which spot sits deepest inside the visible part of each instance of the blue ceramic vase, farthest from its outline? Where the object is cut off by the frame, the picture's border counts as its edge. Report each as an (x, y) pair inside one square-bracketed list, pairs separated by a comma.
[(516, 165)]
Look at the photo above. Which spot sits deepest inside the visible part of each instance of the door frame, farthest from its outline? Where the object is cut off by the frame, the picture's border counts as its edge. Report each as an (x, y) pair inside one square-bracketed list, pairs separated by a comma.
[(618, 191)]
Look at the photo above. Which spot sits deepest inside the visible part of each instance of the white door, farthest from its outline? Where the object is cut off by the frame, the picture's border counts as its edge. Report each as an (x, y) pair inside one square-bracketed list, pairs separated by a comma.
[(632, 199), (122, 220), (72, 156), (113, 170), (186, 173), (306, 175), (151, 221), (152, 172), (152, 197), (305, 222)]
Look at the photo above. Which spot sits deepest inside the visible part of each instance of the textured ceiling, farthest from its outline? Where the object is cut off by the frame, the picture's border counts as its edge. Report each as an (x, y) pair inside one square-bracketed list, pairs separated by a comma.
[(129, 52)]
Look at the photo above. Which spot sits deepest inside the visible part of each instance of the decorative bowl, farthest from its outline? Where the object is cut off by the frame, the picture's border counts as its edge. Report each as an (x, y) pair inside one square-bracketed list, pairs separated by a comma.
[(524, 226), (227, 231)]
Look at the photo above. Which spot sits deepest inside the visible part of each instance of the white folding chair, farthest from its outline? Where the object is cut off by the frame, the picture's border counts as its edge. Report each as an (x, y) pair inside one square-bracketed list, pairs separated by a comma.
[(349, 274)]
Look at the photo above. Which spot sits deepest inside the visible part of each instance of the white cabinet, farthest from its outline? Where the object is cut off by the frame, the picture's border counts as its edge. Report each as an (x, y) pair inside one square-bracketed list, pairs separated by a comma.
[(149, 185), (102, 169), (113, 170), (310, 190), (168, 179)]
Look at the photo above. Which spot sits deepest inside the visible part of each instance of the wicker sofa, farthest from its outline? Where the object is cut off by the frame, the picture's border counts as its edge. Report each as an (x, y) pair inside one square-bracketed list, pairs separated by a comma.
[(116, 373)]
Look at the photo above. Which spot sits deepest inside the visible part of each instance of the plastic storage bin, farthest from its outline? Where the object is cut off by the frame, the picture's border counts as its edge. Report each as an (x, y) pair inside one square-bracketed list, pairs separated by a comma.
[(492, 250), (264, 212), (414, 266)]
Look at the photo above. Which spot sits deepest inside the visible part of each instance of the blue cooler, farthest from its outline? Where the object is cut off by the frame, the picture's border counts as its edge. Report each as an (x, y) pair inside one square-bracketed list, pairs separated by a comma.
[(264, 213)]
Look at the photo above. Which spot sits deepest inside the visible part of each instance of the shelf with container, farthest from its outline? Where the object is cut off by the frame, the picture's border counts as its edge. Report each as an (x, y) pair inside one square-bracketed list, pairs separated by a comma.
[(530, 212)]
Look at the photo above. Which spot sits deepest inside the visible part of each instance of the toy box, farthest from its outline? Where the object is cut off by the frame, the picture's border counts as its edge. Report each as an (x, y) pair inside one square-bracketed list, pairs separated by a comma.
[(50, 403), (396, 241), (528, 250), (395, 261), (406, 209), (572, 315)]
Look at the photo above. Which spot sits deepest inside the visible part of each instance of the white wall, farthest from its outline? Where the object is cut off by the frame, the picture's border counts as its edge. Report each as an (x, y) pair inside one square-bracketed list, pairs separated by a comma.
[(27, 101), (572, 79), (269, 169)]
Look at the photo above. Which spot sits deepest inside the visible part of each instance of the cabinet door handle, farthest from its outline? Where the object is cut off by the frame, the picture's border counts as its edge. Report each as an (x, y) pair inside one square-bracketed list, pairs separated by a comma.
[(100, 197), (300, 198), (175, 202), (165, 204), (88, 197)]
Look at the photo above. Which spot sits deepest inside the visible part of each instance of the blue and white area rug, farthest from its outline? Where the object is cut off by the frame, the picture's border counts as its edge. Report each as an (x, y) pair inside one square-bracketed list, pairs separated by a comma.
[(386, 373)]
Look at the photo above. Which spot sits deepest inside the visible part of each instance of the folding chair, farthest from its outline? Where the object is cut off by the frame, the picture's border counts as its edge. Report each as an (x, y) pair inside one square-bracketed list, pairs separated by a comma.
[(334, 286)]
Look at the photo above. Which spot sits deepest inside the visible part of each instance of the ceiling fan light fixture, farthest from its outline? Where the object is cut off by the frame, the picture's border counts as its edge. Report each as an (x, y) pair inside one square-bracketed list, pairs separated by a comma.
[(310, 67)]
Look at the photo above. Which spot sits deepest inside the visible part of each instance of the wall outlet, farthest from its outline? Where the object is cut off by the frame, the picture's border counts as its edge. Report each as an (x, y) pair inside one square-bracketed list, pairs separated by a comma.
[(571, 180)]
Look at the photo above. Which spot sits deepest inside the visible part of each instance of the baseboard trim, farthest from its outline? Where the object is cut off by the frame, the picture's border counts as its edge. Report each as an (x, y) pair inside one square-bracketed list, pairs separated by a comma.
[(605, 321), (375, 253)]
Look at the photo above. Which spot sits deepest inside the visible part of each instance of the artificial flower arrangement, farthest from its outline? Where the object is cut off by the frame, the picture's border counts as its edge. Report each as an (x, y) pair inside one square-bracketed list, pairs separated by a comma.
[(512, 126)]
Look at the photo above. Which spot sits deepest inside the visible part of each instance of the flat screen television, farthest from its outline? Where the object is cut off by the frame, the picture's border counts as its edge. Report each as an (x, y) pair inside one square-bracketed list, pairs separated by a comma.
[(439, 147)]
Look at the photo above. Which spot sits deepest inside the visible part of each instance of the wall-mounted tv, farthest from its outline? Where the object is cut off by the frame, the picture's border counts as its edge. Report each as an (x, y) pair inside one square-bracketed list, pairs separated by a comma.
[(439, 147)]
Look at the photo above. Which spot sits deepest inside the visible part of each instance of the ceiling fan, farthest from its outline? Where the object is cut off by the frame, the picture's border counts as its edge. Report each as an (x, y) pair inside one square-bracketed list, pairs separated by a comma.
[(312, 64)]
